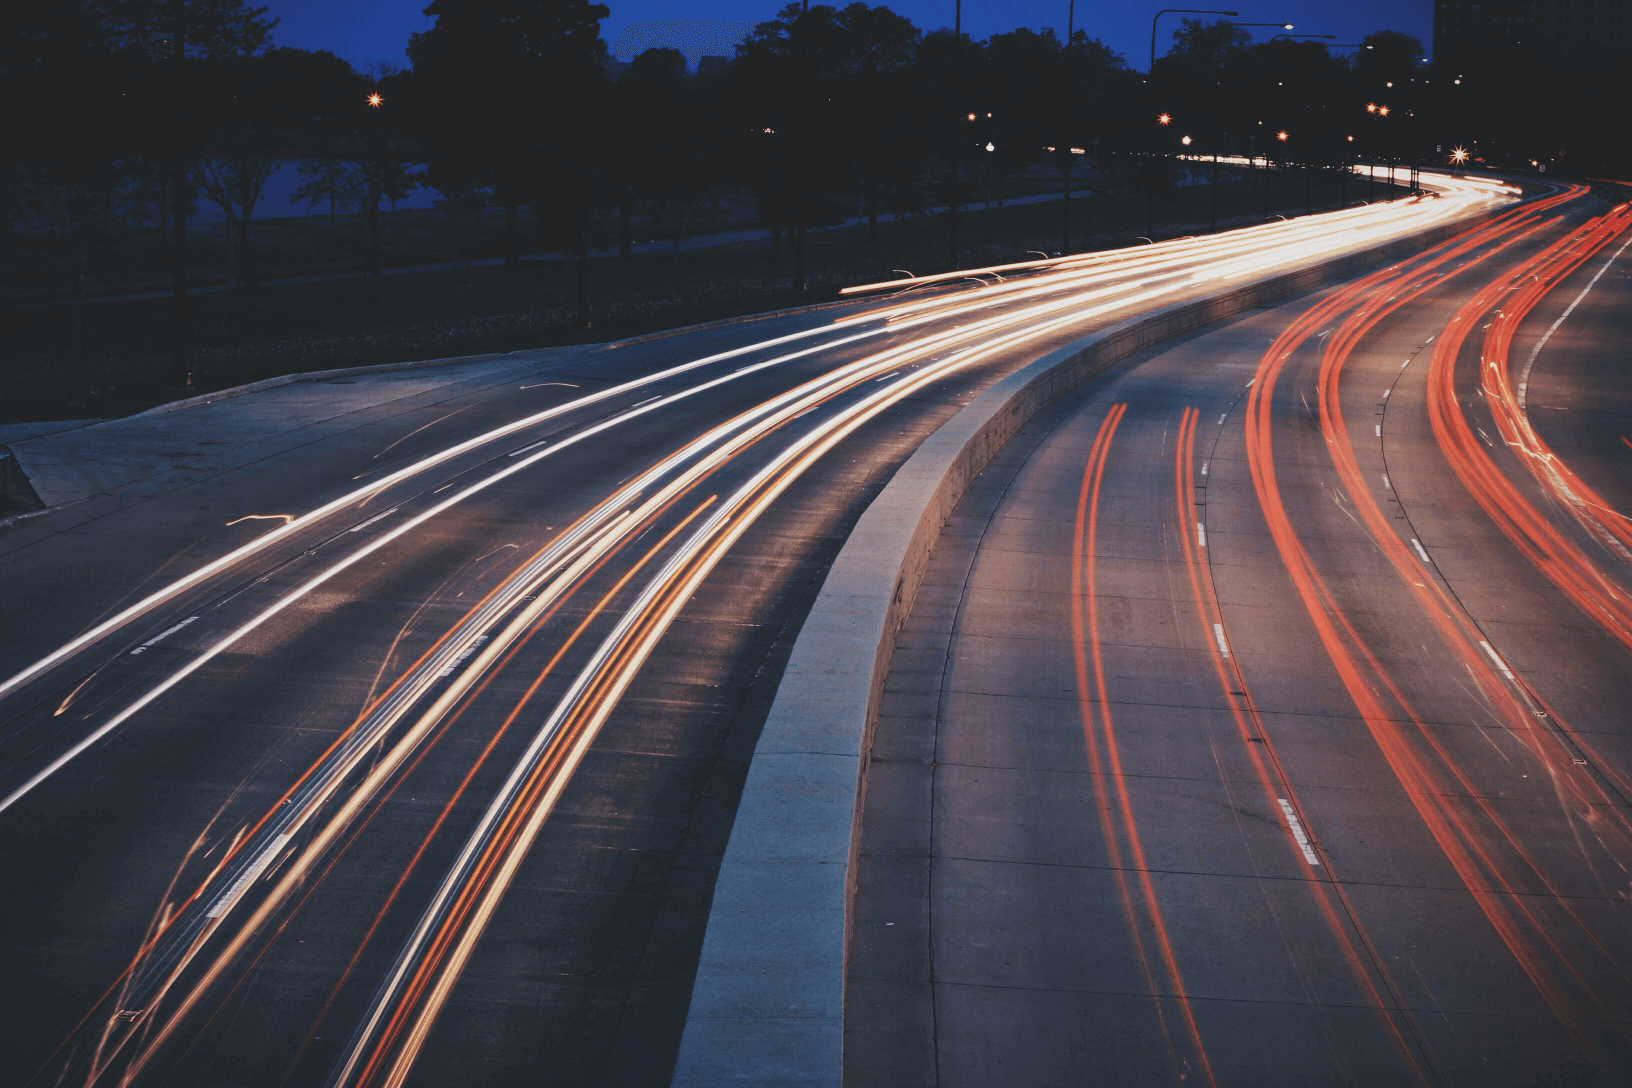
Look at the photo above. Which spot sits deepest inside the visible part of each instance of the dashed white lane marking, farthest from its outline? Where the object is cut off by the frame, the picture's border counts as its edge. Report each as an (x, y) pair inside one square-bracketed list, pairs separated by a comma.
[(376, 517), (1222, 418), (1201, 534), (1204, 468), (230, 896), (1218, 633), (460, 660), (1386, 485), (162, 635), (524, 449), (1496, 659), (887, 377), (1379, 430), (1405, 364), (1296, 825), (1418, 545), (1386, 392)]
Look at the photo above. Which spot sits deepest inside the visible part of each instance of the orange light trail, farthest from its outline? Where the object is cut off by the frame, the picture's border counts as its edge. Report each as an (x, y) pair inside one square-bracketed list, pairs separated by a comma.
[(1104, 758)]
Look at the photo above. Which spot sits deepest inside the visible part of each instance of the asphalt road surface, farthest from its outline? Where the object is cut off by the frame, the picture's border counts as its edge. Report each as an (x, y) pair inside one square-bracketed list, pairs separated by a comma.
[(405, 755), (1266, 716)]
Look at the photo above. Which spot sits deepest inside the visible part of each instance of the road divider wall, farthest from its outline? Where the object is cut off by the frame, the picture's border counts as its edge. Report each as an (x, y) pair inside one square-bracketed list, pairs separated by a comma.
[(767, 1007)]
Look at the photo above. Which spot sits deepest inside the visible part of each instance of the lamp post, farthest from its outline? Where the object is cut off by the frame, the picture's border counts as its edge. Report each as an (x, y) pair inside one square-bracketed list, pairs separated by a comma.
[(957, 140), (1178, 11), (1070, 70)]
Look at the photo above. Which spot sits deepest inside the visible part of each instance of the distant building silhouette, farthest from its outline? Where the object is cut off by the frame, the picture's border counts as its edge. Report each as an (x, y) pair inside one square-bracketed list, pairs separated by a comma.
[(1464, 31), (1568, 23), (696, 38)]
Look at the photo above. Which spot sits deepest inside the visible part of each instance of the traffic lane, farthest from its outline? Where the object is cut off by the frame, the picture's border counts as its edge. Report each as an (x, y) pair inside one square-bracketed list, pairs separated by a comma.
[(1583, 417), (1561, 652), (1026, 894), (287, 472), (939, 311), (1350, 798), (917, 406), (1128, 266)]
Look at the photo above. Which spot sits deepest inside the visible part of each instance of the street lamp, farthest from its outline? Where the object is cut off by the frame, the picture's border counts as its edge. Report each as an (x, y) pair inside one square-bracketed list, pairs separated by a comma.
[(375, 99), (1178, 11)]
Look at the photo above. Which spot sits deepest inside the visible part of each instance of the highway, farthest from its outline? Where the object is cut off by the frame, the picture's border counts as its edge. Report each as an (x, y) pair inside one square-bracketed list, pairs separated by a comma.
[(404, 758), (1264, 716)]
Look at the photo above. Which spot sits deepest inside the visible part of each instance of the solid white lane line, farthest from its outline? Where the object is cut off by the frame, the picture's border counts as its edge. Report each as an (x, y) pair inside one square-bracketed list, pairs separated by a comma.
[(1493, 657), (248, 877), (1218, 633), (1296, 825), (162, 635), (1524, 375), (1415, 543)]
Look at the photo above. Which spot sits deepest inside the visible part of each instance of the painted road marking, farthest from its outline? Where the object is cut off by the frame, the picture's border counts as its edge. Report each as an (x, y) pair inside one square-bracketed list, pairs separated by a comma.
[(1296, 825), (162, 635), (1201, 534), (1405, 364), (1218, 633), (1222, 418), (1386, 485), (1386, 392), (460, 660), (1496, 659), (524, 449), (1204, 468), (1417, 545), (247, 877), (1379, 430), (373, 519)]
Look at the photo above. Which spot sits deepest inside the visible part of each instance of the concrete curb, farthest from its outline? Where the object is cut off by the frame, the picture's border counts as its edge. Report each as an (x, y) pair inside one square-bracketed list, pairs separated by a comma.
[(767, 1007)]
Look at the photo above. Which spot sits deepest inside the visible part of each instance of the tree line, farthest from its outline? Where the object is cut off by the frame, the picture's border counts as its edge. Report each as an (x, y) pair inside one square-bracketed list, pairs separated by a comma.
[(125, 113)]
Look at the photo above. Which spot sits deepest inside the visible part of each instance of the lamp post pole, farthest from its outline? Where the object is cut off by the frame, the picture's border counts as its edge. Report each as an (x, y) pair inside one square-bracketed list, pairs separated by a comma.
[(957, 140), (1065, 221), (1178, 11)]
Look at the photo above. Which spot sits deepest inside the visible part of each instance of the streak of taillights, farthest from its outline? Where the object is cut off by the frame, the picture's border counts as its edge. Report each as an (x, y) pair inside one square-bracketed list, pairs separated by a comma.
[(1366, 681), (1330, 897), (1378, 219), (1117, 821), (168, 953)]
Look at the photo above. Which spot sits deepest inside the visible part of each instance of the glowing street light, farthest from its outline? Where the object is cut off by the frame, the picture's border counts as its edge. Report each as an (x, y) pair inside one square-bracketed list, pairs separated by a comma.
[(1164, 118), (376, 99), (1371, 107), (1459, 155), (1382, 111), (1185, 140), (1281, 136)]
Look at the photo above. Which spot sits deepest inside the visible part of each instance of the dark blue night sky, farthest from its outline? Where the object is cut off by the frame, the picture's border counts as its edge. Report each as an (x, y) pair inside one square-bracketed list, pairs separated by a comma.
[(366, 32)]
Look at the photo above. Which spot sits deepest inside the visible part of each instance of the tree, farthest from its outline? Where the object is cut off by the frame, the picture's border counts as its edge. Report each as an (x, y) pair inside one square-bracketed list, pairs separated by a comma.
[(486, 63)]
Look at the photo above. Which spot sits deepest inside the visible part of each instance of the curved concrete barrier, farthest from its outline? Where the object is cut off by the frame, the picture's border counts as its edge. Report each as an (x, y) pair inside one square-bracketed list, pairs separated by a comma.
[(767, 1007)]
